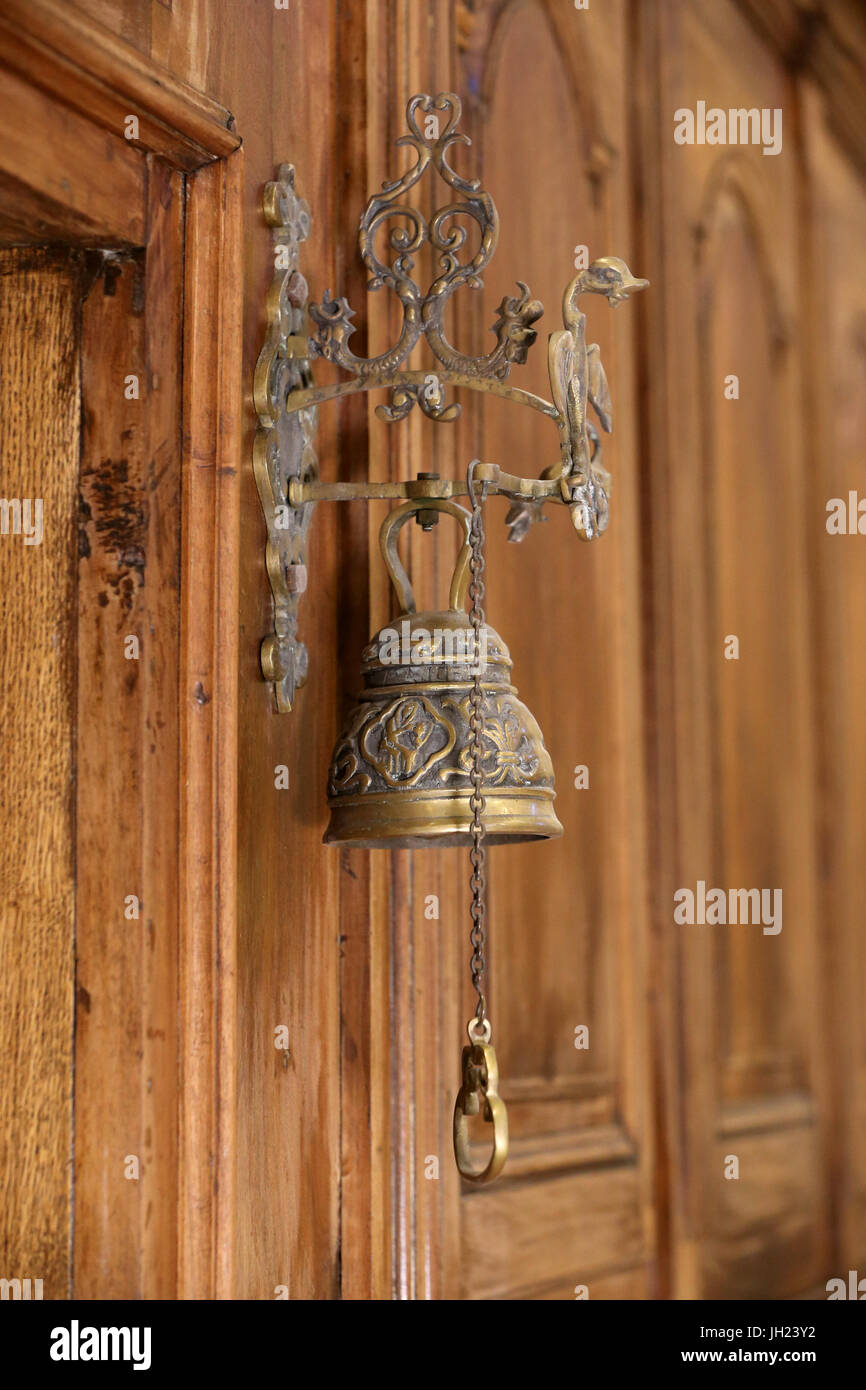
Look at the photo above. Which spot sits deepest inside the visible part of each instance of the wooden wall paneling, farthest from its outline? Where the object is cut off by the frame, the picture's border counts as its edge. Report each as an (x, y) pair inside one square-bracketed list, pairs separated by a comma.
[(208, 729), (567, 923), (395, 984), (88, 62), (660, 482), (825, 39), (184, 43), (331, 1138), (287, 964), (288, 1104), (835, 306), (288, 1135), (130, 500), (112, 950), (127, 800), (365, 1034), (287, 1138), (734, 768), (521, 1239), (61, 177), (404, 946), (426, 1044), (39, 393)]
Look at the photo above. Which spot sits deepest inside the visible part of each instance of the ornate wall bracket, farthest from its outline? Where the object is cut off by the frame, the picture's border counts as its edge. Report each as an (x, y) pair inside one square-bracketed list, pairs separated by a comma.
[(283, 452), (287, 399)]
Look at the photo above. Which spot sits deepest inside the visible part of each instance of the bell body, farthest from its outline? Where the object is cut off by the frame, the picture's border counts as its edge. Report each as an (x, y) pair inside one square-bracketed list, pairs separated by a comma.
[(400, 772)]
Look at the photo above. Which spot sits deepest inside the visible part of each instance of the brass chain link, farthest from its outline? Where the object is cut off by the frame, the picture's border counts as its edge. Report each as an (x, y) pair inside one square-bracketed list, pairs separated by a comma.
[(479, 1091), (477, 854)]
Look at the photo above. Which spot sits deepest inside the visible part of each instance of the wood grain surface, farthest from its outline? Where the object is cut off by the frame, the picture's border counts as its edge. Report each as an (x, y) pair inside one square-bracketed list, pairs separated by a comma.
[(325, 1170), (128, 770), (39, 392)]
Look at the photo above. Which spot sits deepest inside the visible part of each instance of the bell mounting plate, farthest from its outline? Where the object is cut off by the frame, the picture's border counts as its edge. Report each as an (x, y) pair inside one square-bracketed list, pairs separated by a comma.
[(283, 451)]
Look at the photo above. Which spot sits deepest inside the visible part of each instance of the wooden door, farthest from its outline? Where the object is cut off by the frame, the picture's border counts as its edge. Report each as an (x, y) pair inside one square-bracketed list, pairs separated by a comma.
[(157, 784), (92, 795), (37, 582), (571, 1213), (568, 919), (117, 716), (835, 399), (738, 605)]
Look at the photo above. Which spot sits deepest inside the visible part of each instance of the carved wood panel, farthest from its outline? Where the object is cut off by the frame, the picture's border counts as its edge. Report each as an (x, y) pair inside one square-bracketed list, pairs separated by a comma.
[(567, 917), (836, 401), (736, 764)]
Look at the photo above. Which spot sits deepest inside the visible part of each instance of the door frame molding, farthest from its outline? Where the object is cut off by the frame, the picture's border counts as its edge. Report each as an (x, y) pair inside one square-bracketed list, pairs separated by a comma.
[(92, 190), (61, 51)]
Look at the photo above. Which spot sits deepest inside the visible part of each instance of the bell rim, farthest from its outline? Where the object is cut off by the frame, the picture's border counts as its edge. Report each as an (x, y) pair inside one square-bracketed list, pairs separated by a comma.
[(433, 819)]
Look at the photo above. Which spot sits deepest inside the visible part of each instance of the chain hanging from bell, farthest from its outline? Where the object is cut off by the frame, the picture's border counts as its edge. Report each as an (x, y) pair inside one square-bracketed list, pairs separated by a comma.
[(439, 751), (479, 1093)]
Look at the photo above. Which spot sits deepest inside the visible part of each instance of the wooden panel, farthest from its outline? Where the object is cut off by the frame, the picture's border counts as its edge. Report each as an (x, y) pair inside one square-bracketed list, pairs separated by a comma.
[(421, 1065), (761, 732), (39, 459), (567, 917), (709, 534), (287, 1136), (518, 1238), (288, 1139), (827, 39), (127, 809), (87, 61), (130, 742), (366, 1105), (64, 178), (836, 399), (733, 762), (208, 730), (283, 1227), (763, 1225)]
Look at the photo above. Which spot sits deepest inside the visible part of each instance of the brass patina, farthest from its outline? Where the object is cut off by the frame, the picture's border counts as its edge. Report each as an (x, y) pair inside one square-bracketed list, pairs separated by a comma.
[(479, 1095), (438, 750), (400, 775), (287, 398)]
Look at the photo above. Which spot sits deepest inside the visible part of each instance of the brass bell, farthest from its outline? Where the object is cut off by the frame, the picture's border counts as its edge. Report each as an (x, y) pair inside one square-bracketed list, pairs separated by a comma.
[(400, 772)]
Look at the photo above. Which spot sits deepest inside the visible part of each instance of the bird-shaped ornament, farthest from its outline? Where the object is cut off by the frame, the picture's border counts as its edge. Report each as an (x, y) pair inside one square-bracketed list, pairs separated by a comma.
[(577, 376)]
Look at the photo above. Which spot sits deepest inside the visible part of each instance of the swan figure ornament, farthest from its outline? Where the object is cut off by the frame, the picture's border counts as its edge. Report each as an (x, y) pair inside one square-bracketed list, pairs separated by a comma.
[(577, 376)]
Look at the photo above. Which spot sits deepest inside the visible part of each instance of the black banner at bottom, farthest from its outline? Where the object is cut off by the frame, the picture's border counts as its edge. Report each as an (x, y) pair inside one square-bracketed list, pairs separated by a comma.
[(58, 1340)]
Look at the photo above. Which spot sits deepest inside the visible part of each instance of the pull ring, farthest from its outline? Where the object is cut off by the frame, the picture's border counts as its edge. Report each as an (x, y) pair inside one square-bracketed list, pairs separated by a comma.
[(390, 530), (479, 1095)]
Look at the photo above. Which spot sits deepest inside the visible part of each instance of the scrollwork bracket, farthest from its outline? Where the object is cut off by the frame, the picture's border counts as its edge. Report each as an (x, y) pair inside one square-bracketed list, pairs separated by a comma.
[(287, 399), (284, 451)]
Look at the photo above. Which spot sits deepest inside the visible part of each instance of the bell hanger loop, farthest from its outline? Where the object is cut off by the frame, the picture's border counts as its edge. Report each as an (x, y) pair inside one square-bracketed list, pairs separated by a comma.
[(389, 533), (470, 485)]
